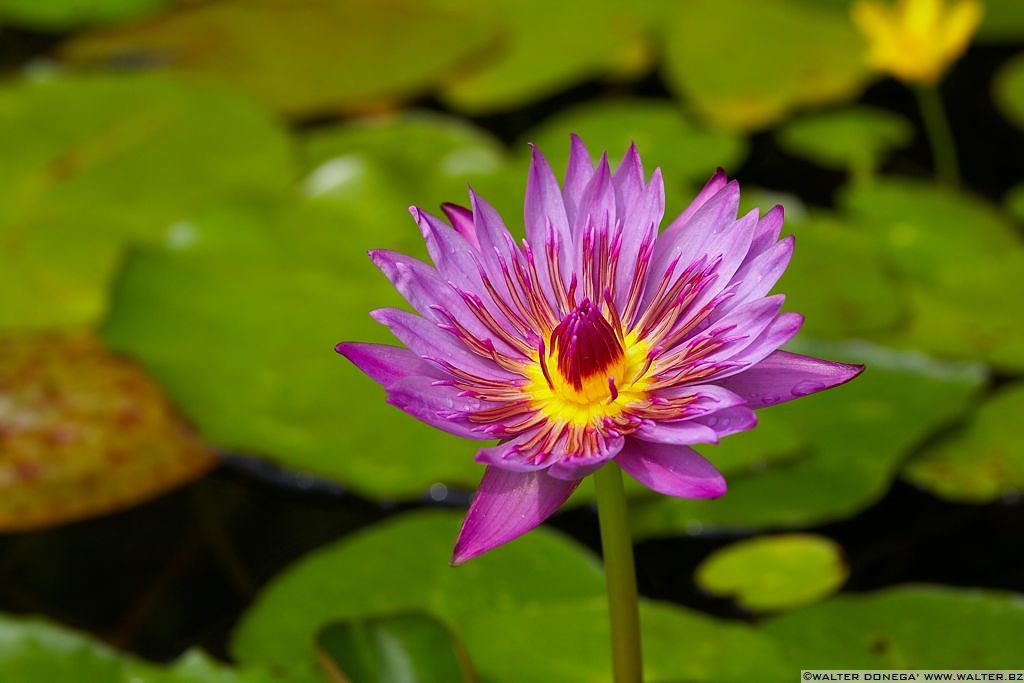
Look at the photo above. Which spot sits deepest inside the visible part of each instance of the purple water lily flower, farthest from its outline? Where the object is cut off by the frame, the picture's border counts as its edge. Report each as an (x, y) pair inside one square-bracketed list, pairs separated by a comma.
[(596, 338)]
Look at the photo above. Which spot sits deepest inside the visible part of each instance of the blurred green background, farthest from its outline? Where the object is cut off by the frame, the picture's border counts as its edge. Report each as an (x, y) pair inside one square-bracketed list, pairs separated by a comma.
[(187, 193)]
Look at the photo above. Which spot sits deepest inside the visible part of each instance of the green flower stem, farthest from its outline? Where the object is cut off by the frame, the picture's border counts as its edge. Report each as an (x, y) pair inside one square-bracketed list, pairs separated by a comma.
[(617, 548), (940, 136)]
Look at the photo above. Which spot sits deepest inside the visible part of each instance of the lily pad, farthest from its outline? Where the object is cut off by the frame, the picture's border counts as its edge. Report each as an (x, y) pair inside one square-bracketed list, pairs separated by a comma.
[(1014, 202), (746, 64), (773, 573), (857, 436), (140, 153), (415, 158), (35, 650), (61, 15), (982, 462), (83, 433), (411, 647), (686, 152), (302, 57), (855, 138), (912, 627), (959, 263), (540, 594), (829, 255), (241, 334), (1003, 22), (1008, 90), (544, 47)]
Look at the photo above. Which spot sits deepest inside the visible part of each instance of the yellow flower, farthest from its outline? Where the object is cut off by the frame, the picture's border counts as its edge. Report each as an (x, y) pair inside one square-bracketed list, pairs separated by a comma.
[(916, 40)]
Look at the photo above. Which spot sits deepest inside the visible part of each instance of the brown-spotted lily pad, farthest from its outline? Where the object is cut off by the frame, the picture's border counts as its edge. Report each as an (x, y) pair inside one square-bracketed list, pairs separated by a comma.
[(83, 433)]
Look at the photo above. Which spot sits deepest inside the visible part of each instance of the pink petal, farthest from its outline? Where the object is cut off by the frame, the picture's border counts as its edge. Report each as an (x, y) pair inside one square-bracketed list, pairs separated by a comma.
[(783, 376), (428, 341), (506, 506), (384, 364), (729, 421), (577, 467), (577, 175), (677, 471), (544, 213), (437, 405), (461, 219), (710, 189), (678, 433)]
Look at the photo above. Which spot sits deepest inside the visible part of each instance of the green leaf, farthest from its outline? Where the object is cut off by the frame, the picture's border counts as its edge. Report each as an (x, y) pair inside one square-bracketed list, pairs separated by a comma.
[(369, 573), (904, 628), (960, 264), (139, 154), (62, 15), (1014, 202), (411, 647), (981, 462), (857, 436), (745, 64), (828, 256), (544, 47), (1008, 90), (241, 334), (855, 138), (415, 158), (775, 572), (1002, 22), (32, 650), (301, 57), (531, 610), (568, 641), (686, 152)]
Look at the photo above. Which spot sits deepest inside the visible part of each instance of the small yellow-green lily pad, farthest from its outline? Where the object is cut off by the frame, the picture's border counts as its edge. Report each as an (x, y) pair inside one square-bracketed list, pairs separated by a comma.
[(772, 573)]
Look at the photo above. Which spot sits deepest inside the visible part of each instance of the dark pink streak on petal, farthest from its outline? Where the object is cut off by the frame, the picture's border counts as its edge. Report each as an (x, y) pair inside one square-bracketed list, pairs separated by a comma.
[(506, 506), (677, 471), (783, 376)]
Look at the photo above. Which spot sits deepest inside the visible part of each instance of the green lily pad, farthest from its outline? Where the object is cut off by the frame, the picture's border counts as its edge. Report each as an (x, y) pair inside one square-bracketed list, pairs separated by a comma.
[(1014, 202), (242, 335), (545, 47), (568, 641), (61, 15), (34, 650), (410, 647), (905, 628), (745, 64), (829, 255), (686, 152), (139, 154), (303, 58), (540, 595), (1008, 90), (982, 462), (775, 572), (855, 138), (1002, 22), (960, 264), (415, 158), (857, 436)]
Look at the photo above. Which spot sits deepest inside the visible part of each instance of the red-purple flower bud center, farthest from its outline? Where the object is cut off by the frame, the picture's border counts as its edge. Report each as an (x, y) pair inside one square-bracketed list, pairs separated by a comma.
[(585, 344)]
